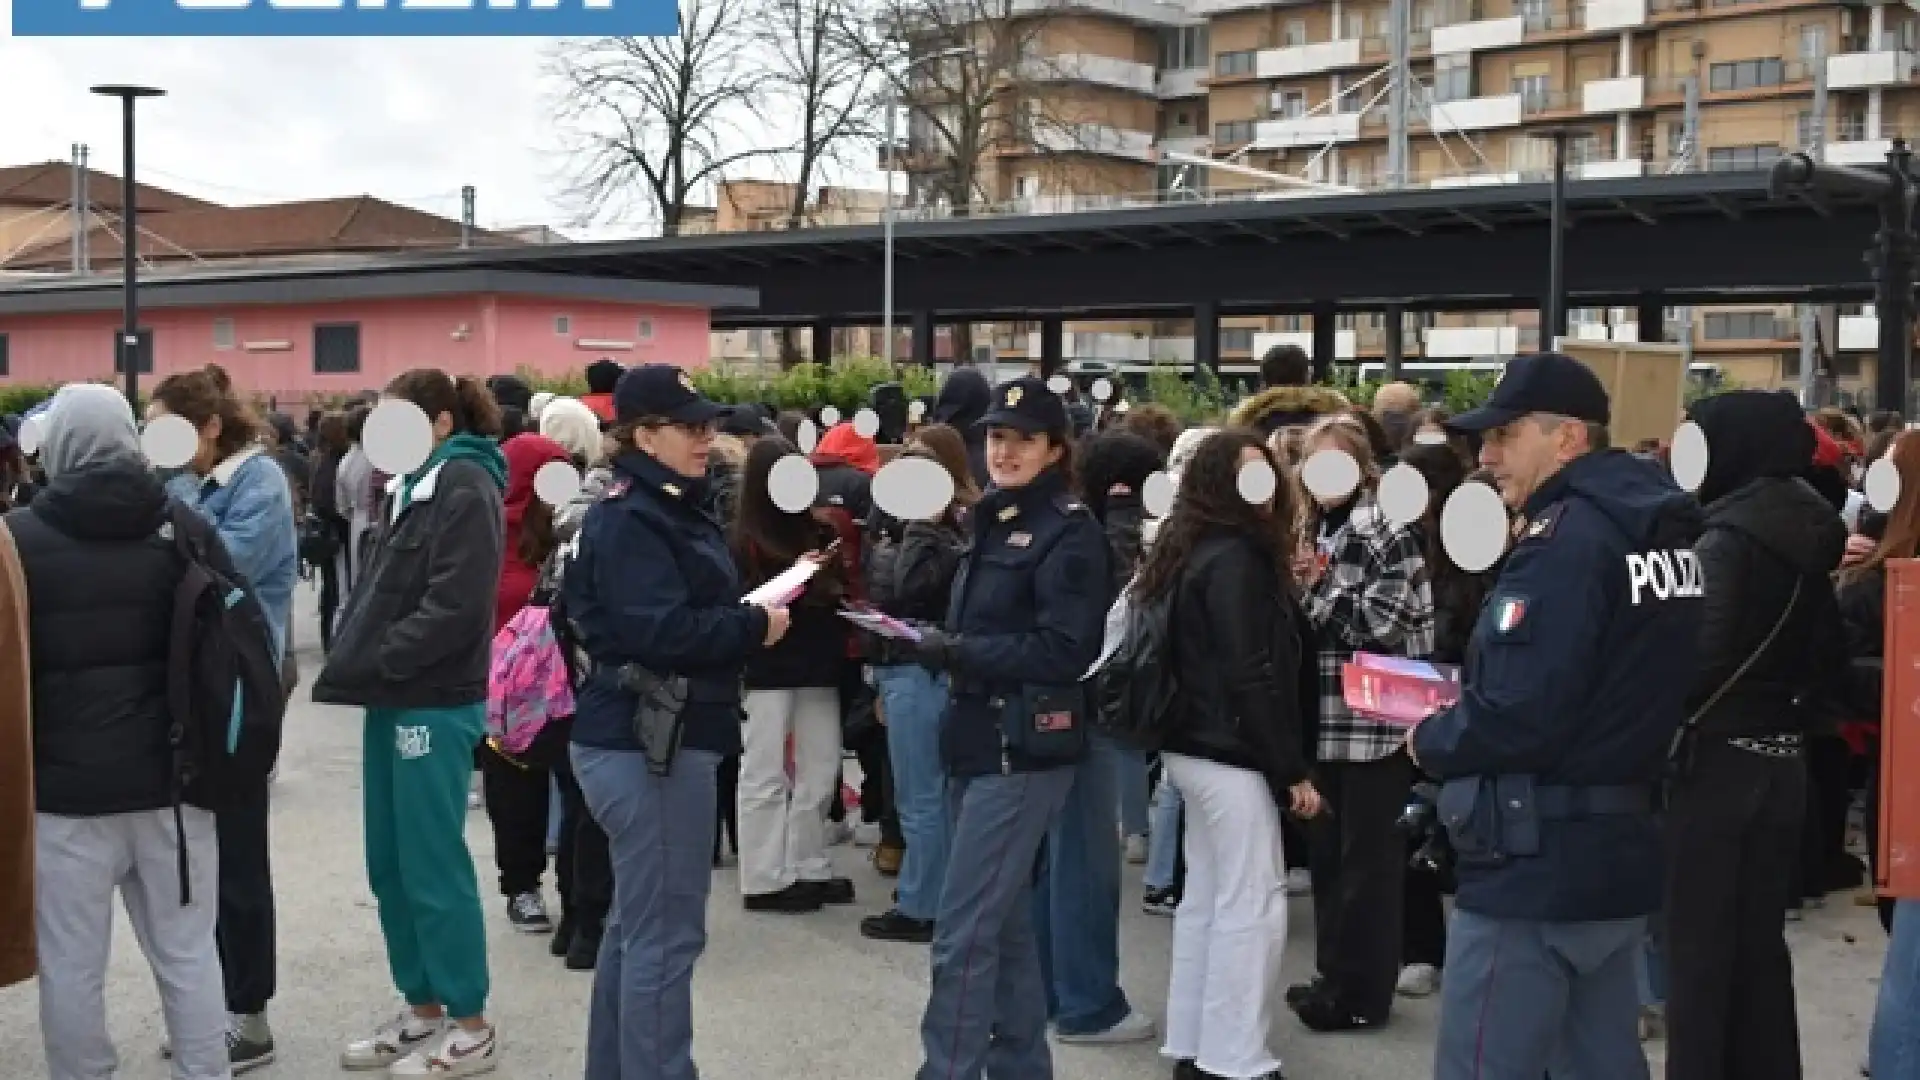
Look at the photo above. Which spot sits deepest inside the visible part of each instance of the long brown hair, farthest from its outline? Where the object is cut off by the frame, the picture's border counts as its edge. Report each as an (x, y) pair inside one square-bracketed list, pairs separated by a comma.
[(467, 400), (948, 447), (203, 396), (537, 539), (1901, 539), (767, 539), (1209, 499)]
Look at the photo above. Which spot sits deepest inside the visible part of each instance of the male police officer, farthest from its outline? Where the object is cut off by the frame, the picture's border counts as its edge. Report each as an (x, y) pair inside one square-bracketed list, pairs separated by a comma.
[(1552, 757)]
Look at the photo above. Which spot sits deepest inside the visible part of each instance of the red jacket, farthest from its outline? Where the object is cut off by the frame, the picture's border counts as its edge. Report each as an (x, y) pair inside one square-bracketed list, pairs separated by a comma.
[(525, 454)]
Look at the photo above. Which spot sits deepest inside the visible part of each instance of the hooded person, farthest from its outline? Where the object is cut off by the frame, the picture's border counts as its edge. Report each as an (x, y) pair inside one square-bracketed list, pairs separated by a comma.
[(846, 462), (100, 588), (1279, 407), (602, 375), (963, 400), (515, 398), (1770, 640), (526, 454)]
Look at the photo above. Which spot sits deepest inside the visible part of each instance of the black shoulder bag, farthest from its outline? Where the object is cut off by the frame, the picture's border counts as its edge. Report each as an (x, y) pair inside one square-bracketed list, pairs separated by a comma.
[(1681, 753)]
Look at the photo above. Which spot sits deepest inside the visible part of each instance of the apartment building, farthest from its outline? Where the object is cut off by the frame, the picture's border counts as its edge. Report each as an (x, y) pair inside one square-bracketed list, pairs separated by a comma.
[(1303, 88)]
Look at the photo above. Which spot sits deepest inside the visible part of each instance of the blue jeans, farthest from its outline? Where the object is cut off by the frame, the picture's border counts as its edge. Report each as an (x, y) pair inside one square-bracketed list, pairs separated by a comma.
[(1163, 842), (985, 1008), (660, 834), (1894, 1047), (1130, 774), (1077, 904), (914, 700)]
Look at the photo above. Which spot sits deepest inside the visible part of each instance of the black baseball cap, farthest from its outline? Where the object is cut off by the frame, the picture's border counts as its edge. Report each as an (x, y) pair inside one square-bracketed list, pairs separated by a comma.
[(746, 421), (1025, 404), (664, 391), (1540, 383)]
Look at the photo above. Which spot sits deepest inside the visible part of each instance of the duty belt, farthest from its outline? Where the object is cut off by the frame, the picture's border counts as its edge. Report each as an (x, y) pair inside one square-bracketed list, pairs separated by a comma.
[(1774, 746)]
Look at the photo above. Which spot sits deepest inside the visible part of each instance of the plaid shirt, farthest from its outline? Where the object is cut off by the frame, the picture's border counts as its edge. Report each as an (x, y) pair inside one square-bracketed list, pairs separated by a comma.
[(1375, 596)]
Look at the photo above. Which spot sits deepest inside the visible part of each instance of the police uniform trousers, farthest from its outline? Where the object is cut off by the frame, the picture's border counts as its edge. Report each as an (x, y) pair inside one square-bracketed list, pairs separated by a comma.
[(1525, 999), (987, 1007), (1732, 841)]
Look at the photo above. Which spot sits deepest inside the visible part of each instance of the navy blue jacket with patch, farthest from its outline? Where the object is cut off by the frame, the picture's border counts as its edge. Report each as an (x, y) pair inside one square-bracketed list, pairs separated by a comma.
[(654, 584), (1576, 675), (1030, 607)]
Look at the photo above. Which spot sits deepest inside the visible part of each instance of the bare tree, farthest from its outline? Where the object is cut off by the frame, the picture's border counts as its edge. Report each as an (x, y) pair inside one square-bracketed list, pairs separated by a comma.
[(658, 119)]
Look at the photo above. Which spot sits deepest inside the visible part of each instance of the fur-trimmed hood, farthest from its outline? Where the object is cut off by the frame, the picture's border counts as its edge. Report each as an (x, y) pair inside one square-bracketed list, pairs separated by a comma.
[(1285, 406)]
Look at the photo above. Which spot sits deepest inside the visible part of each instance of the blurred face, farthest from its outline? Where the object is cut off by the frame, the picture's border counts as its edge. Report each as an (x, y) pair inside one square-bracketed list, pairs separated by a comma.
[(1251, 455), (208, 455), (1527, 453), (1014, 457), (1327, 441), (684, 448)]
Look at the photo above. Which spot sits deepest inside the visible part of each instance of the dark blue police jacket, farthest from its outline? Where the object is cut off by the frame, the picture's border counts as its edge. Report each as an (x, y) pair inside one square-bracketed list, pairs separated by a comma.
[(654, 584), (1030, 607), (1575, 676)]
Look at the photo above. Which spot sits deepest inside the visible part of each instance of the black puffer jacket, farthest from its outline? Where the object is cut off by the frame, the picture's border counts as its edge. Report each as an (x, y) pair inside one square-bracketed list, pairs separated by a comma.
[(1765, 529), (1244, 660), (101, 581)]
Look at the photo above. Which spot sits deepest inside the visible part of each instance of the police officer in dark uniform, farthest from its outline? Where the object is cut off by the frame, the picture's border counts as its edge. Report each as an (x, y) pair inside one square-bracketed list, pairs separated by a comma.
[(1550, 762), (1027, 615)]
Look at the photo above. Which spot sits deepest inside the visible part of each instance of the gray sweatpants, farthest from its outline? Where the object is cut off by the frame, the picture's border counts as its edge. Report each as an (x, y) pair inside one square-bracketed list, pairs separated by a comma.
[(81, 863)]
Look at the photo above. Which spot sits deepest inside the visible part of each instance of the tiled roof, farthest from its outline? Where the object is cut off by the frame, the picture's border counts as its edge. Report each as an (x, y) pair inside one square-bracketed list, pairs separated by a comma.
[(50, 183), (361, 224)]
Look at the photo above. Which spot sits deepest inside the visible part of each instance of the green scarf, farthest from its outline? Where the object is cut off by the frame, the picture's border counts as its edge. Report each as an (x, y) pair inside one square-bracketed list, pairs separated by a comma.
[(478, 449)]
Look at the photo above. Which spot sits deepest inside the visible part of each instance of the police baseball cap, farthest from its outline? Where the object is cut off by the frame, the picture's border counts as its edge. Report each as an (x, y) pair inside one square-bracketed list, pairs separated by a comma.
[(1540, 383), (663, 391), (1025, 404)]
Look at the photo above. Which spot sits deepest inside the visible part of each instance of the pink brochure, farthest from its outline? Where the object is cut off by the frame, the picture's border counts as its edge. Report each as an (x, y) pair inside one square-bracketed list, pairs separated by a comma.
[(1397, 691)]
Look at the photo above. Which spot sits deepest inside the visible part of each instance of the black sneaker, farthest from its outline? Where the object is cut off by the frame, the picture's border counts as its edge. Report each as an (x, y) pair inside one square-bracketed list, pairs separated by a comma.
[(584, 950), (1300, 992), (798, 898), (1325, 1013), (894, 926), (1160, 901), (832, 891), (528, 914), (249, 1044), (562, 937)]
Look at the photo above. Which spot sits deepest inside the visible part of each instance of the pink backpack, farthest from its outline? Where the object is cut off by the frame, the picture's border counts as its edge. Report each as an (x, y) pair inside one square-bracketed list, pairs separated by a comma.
[(527, 683)]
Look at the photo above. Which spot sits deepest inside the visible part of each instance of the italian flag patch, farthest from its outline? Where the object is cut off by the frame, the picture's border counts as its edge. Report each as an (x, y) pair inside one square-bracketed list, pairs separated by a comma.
[(1510, 613)]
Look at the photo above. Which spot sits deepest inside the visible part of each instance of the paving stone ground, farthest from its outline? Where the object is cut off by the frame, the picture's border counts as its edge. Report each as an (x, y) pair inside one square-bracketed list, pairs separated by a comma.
[(776, 997)]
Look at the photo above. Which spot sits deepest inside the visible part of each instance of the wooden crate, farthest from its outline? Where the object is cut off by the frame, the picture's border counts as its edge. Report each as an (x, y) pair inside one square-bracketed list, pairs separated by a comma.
[(1647, 384)]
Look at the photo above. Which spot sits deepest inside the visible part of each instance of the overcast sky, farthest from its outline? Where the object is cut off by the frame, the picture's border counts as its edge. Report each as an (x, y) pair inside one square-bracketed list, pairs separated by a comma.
[(261, 120)]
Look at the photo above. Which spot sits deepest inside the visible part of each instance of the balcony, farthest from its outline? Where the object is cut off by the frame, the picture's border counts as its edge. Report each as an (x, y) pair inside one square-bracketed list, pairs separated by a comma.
[(1614, 95), (1099, 139), (1181, 82), (1466, 342), (1858, 151), (1480, 34), (1091, 68), (1197, 145), (1887, 67), (1477, 114), (1343, 342), (1315, 130), (1218, 7), (1610, 169), (1308, 59), (1600, 15), (1859, 332)]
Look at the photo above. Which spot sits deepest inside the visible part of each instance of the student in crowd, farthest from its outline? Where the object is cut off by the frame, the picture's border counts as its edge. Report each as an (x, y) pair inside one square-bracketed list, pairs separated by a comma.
[(571, 424), (913, 579), (331, 445), (792, 696), (413, 649), (354, 495), (963, 400), (1026, 619), (602, 376), (1371, 592), (654, 591), (100, 588), (1243, 660), (241, 489)]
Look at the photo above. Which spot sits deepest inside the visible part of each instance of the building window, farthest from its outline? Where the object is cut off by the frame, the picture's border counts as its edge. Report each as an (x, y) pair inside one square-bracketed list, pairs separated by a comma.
[(1452, 77), (1294, 34), (1813, 42), (1741, 158), (1288, 104), (562, 325), (1183, 48), (1235, 63), (1236, 339), (1746, 74), (1534, 95), (1741, 326), (336, 348), (145, 353), (1534, 13), (6, 359), (223, 334), (645, 329), (1232, 132), (1804, 134)]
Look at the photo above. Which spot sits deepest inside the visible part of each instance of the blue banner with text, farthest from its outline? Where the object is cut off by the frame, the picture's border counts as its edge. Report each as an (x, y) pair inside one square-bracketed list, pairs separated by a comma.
[(343, 18)]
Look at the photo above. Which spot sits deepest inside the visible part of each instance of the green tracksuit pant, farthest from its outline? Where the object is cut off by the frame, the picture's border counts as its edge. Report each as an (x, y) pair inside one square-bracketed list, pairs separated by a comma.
[(418, 767)]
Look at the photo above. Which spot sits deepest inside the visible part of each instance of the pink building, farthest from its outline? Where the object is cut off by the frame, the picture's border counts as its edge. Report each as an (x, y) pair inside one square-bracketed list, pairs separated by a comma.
[(290, 332)]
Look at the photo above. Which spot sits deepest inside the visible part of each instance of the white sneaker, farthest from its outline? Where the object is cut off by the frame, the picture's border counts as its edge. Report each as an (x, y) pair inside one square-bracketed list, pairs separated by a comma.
[(1418, 981), (457, 1052), (1137, 850), (1300, 882), (1132, 1028), (392, 1041)]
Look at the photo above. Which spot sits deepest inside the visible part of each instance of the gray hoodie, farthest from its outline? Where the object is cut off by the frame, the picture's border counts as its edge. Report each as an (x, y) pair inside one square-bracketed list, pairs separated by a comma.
[(88, 424)]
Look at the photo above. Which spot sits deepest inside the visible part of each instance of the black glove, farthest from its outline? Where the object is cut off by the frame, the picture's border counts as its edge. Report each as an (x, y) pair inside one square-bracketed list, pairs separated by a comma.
[(936, 650)]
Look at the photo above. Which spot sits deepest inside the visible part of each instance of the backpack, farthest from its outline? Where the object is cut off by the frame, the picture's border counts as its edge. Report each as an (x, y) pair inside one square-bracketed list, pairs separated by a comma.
[(319, 543), (223, 681), (1134, 688), (527, 683)]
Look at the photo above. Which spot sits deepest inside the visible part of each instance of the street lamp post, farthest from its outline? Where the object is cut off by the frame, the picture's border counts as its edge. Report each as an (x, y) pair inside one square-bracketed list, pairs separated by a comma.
[(129, 351), (1553, 322), (886, 214)]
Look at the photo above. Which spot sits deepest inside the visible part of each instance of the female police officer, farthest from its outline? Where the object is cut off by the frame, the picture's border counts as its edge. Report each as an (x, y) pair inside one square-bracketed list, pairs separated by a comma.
[(653, 594), (1026, 619)]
